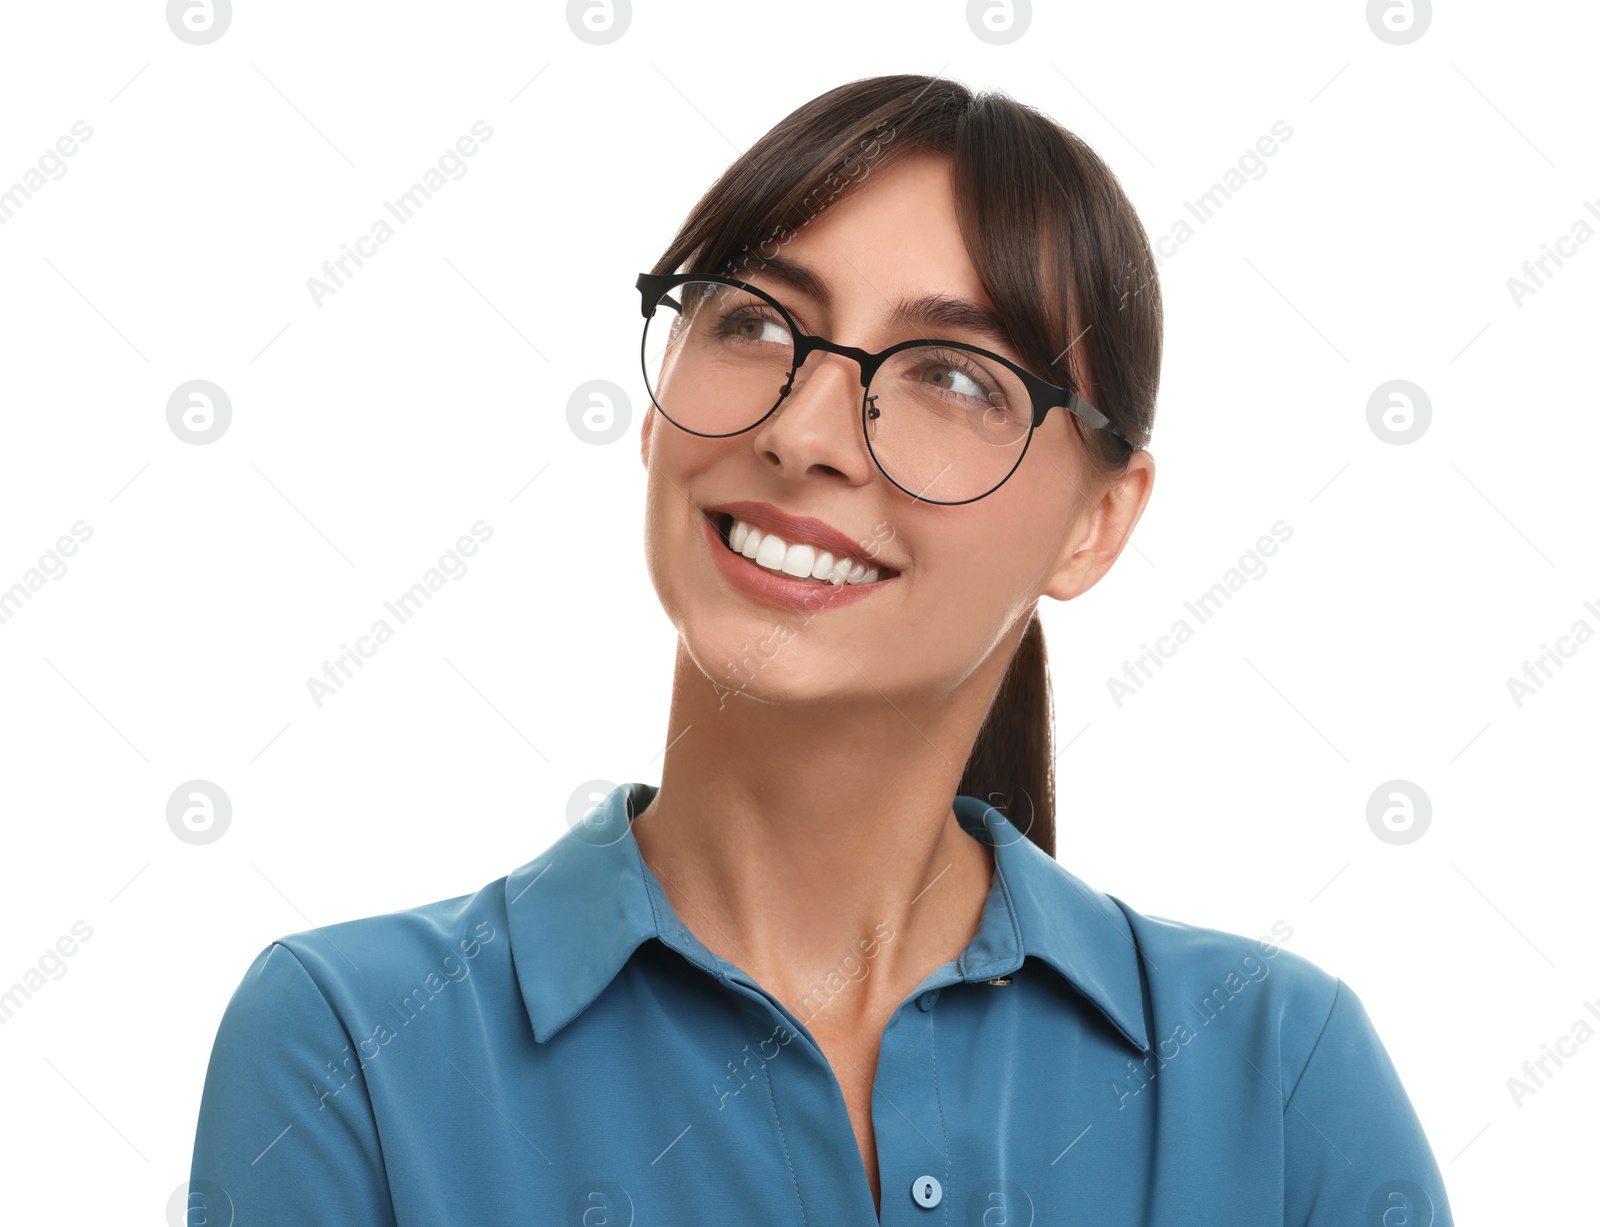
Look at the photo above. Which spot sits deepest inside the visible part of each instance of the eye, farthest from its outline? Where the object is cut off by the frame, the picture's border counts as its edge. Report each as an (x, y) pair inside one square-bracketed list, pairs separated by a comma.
[(952, 378), (954, 374), (755, 325)]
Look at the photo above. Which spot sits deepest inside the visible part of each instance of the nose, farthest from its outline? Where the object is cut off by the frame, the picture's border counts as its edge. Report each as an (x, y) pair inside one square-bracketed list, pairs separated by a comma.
[(817, 424), (843, 376)]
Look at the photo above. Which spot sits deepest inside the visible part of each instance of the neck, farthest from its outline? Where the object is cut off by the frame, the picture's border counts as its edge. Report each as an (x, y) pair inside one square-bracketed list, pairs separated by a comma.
[(794, 838)]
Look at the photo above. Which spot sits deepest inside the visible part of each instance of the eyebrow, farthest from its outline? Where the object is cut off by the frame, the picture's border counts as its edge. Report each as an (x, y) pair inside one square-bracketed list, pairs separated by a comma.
[(924, 314)]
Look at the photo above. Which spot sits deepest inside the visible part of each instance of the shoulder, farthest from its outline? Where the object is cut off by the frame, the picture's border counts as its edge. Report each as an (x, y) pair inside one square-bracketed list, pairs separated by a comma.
[(358, 965), (1221, 1005), (1196, 975), (308, 1040)]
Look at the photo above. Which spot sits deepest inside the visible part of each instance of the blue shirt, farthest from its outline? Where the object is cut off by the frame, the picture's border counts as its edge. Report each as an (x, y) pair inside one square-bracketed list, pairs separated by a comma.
[(558, 1048)]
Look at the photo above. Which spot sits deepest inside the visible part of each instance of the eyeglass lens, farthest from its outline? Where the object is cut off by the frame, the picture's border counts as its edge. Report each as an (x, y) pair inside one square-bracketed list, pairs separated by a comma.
[(943, 422)]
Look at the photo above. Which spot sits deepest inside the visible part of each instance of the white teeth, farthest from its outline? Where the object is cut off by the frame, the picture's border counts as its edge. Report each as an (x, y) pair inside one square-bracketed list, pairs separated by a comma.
[(771, 552), (799, 560)]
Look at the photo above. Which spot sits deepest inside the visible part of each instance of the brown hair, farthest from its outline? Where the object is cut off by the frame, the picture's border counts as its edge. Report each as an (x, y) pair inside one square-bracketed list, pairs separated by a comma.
[(1062, 256)]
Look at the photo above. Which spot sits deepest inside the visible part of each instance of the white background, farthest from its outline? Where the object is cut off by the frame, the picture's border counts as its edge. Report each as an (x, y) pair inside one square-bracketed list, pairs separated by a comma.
[(371, 431)]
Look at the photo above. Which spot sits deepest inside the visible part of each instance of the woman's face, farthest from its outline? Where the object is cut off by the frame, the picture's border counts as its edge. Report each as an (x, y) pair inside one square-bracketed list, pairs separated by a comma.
[(966, 576)]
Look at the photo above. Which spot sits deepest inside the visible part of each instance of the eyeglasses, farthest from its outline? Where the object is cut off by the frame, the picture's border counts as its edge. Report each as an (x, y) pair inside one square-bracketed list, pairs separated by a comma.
[(945, 421)]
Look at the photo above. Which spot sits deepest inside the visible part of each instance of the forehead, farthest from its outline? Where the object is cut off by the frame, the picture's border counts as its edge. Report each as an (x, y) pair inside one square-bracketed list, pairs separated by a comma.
[(893, 231), (890, 250)]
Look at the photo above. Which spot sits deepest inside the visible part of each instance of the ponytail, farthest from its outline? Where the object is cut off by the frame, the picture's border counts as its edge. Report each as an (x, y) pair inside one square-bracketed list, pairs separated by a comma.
[(1012, 764)]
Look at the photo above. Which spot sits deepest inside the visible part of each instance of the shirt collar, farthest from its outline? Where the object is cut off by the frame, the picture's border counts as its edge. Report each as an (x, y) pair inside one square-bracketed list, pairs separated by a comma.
[(579, 910)]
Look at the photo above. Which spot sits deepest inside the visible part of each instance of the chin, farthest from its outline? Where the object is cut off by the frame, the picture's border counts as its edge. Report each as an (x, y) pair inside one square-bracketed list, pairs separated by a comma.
[(762, 660)]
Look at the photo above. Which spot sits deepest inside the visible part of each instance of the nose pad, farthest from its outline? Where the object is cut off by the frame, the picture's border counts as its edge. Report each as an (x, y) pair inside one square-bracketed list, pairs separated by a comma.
[(799, 377), (849, 441)]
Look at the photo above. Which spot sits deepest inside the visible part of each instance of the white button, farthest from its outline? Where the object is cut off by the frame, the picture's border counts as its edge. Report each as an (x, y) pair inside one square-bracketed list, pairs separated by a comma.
[(926, 1192)]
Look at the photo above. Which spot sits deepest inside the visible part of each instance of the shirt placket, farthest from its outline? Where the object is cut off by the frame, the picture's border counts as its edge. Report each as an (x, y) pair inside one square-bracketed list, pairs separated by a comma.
[(813, 1123), (909, 1113)]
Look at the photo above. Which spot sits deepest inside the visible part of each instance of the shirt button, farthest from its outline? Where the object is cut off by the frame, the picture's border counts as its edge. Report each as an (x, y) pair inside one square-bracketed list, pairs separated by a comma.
[(926, 1192), (926, 1000)]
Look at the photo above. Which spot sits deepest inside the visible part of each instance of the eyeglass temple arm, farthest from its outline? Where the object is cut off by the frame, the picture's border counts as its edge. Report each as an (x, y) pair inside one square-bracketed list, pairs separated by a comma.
[(1088, 414)]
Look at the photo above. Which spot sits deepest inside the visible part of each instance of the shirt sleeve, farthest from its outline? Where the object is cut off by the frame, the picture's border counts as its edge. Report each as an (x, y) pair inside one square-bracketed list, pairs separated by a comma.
[(286, 1133), (1354, 1150)]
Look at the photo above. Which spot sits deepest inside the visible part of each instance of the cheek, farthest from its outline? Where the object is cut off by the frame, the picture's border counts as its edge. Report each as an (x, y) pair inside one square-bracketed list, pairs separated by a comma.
[(1022, 535), (664, 539), (667, 541), (974, 574), (986, 549)]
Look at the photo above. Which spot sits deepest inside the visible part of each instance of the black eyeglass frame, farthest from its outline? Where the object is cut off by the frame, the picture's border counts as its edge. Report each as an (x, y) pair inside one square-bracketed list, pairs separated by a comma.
[(1045, 395)]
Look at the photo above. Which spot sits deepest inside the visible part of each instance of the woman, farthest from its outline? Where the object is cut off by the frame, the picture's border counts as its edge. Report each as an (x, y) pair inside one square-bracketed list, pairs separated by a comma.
[(829, 971)]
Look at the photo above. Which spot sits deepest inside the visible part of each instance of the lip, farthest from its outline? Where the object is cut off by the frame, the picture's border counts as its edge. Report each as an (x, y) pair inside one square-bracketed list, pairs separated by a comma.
[(801, 530), (773, 589)]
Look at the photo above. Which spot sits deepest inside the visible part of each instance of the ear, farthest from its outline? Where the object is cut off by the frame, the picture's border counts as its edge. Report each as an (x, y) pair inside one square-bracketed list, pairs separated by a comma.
[(1103, 528)]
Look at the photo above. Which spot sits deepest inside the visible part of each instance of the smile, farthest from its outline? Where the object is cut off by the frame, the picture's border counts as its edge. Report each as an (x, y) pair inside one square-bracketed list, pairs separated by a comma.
[(799, 561), (770, 586)]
